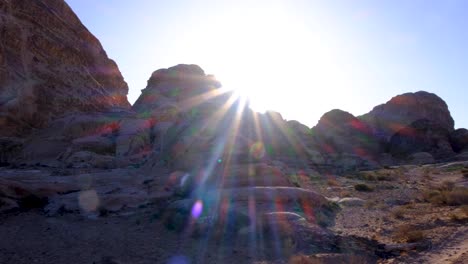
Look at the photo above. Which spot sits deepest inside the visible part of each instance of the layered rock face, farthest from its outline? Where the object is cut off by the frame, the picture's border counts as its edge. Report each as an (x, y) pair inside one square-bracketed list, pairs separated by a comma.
[(387, 119), (459, 140), (50, 65), (339, 131), (422, 136)]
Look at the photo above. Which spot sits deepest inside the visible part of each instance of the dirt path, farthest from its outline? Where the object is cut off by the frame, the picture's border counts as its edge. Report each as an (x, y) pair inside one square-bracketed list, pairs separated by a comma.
[(454, 250)]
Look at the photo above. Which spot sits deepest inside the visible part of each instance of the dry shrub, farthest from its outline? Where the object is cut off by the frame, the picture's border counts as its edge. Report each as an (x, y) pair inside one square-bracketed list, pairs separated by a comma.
[(460, 214), (408, 234), (333, 182), (361, 187), (457, 196), (370, 204), (345, 193), (447, 194), (399, 213)]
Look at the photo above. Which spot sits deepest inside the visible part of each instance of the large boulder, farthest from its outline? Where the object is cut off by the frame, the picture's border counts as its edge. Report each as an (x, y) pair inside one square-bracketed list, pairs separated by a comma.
[(402, 110), (50, 65), (422, 136), (459, 140), (182, 86), (344, 142), (338, 131)]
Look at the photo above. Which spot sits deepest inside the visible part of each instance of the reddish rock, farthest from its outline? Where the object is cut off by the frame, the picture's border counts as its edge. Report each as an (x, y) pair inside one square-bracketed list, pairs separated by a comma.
[(422, 136), (340, 132), (459, 140), (50, 64), (402, 110)]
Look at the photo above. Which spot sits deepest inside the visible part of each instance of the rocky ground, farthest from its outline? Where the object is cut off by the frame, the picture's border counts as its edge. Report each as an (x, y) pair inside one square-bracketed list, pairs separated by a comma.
[(189, 174), (396, 208)]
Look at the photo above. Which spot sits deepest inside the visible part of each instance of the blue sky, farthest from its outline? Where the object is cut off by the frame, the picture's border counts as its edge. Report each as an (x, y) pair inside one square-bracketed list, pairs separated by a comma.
[(301, 58)]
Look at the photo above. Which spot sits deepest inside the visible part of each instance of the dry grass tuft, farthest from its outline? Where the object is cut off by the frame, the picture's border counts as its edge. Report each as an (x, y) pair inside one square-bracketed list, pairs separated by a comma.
[(447, 194), (362, 187), (408, 234), (333, 182), (399, 213)]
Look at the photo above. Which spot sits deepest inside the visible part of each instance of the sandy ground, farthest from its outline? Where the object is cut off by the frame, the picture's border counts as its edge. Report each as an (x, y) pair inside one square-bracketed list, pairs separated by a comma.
[(140, 237)]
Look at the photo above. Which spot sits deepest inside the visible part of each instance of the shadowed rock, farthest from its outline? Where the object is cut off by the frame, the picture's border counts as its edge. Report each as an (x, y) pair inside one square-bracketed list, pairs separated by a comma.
[(50, 64), (422, 136), (402, 110)]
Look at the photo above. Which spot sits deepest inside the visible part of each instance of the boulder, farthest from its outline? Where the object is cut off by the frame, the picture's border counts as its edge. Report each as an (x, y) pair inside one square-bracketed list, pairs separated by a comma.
[(459, 140), (422, 136), (340, 132), (351, 202), (387, 119), (49, 68), (180, 86), (314, 206)]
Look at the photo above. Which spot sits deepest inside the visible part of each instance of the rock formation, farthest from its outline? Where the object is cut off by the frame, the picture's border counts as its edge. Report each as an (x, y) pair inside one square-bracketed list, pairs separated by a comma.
[(339, 131), (50, 65), (459, 140), (422, 136), (387, 119)]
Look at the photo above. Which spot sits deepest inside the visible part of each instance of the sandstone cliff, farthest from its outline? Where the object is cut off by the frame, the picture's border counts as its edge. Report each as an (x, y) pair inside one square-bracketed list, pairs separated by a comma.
[(50, 65)]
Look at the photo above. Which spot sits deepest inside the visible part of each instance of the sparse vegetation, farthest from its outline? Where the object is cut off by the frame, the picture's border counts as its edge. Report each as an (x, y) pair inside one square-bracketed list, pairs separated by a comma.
[(362, 187), (333, 182), (294, 179), (399, 213), (379, 175), (370, 204), (447, 194), (454, 167), (408, 234)]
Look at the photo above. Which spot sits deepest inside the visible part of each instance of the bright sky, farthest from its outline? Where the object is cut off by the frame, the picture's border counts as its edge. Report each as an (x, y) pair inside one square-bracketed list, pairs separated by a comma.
[(301, 58)]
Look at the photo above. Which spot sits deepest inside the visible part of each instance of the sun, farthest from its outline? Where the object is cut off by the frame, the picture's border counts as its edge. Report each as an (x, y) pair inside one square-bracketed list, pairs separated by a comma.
[(268, 57)]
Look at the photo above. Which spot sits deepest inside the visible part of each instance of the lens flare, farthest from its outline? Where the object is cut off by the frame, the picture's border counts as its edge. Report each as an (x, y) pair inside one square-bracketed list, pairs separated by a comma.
[(197, 209)]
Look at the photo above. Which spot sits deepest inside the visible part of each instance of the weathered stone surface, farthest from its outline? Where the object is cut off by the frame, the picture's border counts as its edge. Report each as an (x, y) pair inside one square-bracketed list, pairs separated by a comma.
[(182, 86), (459, 140), (402, 110), (315, 207), (97, 144), (88, 159), (50, 64), (343, 143), (351, 201), (419, 158), (422, 136), (133, 137)]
